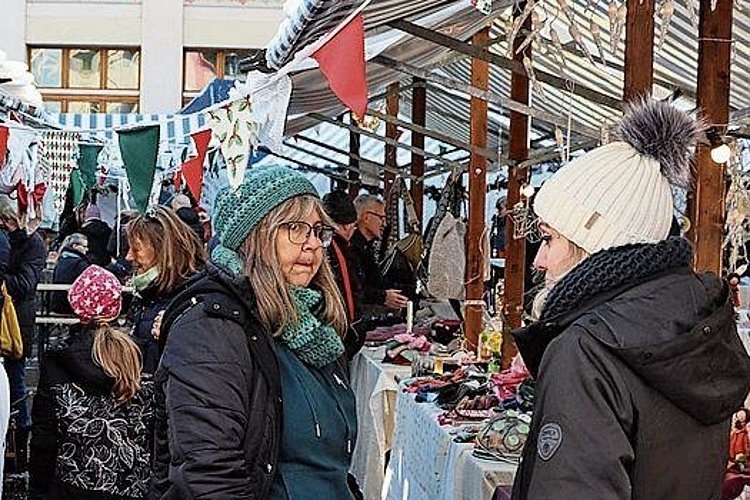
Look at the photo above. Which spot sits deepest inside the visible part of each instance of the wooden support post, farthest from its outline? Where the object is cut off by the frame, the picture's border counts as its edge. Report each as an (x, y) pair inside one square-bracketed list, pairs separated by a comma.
[(714, 51), (418, 117), (354, 179), (391, 131), (639, 49), (518, 175), (477, 197)]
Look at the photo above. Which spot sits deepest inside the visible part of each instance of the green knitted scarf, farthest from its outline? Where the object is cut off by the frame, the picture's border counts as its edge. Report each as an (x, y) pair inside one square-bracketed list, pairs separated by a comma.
[(313, 342)]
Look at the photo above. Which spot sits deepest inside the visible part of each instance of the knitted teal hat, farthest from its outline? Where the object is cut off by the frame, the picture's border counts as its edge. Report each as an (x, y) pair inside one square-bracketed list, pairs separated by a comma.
[(237, 212)]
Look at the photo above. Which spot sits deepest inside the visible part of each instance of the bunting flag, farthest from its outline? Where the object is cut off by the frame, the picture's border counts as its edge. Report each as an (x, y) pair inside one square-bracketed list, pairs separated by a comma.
[(237, 132), (3, 144), (58, 152), (87, 163), (139, 148), (77, 187), (342, 61), (192, 169)]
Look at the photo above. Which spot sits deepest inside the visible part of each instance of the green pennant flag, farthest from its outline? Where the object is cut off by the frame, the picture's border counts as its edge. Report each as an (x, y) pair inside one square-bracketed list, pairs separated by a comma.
[(77, 187), (87, 162), (139, 148)]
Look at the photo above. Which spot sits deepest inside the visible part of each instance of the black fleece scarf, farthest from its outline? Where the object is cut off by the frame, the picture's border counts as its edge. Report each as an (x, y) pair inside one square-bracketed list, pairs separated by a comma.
[(613, 268)]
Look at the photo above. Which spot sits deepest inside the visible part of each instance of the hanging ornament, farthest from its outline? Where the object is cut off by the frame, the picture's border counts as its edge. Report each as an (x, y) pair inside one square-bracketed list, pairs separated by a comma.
[(537, 86), (560, 142), (666, 11), (536, 26), (557, 44), (517, 23), (713, 5), (575, 34), (596, 34), (612, 15), (565, 8), (604, 135), (483, 6), (524, 221)]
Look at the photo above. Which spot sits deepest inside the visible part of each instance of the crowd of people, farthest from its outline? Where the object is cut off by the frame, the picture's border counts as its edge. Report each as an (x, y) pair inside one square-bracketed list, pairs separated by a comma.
[(230, 378)]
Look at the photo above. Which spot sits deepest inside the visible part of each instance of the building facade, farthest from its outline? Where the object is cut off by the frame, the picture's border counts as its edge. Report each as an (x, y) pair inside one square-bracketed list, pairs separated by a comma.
[(122, 56)]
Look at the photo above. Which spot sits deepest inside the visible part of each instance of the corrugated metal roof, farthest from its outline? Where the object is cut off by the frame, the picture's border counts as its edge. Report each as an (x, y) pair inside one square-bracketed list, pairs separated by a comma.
[(675, 67)]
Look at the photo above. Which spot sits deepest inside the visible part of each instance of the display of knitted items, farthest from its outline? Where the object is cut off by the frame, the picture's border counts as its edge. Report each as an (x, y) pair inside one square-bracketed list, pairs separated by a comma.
[(58, 150), (383, 334), (310, 340), (608, 269)]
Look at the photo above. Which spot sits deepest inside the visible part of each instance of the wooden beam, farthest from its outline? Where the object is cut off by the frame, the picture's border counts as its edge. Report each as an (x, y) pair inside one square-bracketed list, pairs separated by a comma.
[(474, 305), (559, 120), (503, 62), (355, 182), (387, 140), (448, 139), (714, 52), (391, 131), (639, 49), (419, 118), (518, 175)]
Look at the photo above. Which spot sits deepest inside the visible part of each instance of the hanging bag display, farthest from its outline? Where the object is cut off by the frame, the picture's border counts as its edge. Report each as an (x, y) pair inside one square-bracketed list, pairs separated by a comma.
[(11, 343)]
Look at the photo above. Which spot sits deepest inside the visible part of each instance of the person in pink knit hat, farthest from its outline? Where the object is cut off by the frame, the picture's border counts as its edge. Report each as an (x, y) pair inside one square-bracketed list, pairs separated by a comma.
[(92, 413)]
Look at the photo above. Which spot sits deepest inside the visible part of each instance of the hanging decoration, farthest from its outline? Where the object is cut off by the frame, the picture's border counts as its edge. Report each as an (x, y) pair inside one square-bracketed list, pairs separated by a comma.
[(3, 144), (666, 11), (237, 132), (536, 84), (87, 162), (139, 148), (58, 152), (342, 62), (192, 169), (557, 44), (737, 215), (516, 26), (596, 34), (537, 23)]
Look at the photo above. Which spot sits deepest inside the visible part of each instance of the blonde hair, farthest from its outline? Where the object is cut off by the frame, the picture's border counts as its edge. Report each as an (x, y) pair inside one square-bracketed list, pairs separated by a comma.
[(179, 253), (276, 308), (575, 256), (9, 210), (120, 358)]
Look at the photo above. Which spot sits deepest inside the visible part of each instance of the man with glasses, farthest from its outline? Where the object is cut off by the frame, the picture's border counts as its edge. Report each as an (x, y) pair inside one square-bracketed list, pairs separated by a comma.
[(370, 224)]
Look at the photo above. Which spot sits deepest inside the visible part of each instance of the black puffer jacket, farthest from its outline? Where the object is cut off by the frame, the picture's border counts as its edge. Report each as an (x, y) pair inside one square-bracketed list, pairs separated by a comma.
[(635, 385), (218, 396), (27, 259)]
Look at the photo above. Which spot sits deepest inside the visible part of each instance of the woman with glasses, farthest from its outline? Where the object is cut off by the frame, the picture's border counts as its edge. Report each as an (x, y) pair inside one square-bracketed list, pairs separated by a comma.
[(252, 379), (165, 254)]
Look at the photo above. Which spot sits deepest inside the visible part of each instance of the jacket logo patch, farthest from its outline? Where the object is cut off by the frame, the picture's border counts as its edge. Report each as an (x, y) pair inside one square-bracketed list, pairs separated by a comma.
[(550, 437)]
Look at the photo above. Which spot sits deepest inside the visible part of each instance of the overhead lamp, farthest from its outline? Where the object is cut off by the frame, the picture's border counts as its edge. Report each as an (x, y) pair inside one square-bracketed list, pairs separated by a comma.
[(527, 190), (720, 150)]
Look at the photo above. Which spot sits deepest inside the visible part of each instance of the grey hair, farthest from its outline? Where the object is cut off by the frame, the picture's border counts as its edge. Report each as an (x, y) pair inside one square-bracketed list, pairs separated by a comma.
[(365, 202), (74, 239)]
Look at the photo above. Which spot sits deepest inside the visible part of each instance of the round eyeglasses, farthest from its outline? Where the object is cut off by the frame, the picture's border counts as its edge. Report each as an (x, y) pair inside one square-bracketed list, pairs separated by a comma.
[(299, 232)]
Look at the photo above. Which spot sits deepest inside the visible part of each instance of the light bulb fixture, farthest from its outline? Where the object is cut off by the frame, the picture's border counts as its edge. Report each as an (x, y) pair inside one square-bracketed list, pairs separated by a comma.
[(527, 190), (720, 151)]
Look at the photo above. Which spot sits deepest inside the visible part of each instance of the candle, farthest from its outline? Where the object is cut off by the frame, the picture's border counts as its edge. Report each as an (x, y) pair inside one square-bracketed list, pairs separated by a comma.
[(409, 316)]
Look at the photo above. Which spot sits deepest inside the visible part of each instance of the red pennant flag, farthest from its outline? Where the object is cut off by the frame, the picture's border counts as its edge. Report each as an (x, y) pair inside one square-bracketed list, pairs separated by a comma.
[(192, 169), (342, 61), (3, 144)]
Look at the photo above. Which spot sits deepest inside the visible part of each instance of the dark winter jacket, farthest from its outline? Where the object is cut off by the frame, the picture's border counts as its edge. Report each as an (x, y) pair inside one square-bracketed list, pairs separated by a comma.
[(4, 259), (27, 260), (635, 384), (69, 266), (190, 217), (368, 271), (97, 232), (145, 307), (84, 445), (355, 335), (218, 396)]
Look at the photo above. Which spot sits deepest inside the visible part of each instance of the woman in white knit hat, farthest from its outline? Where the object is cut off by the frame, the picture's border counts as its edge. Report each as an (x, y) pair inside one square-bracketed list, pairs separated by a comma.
[(636, 357)]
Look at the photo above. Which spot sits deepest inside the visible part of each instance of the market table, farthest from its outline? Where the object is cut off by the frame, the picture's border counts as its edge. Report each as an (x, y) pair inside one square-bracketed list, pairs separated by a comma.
[(426, 464), (375, 386)]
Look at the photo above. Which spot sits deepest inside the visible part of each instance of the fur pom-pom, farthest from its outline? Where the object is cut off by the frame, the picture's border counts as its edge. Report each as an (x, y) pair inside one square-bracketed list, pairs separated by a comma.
[(664, 133)]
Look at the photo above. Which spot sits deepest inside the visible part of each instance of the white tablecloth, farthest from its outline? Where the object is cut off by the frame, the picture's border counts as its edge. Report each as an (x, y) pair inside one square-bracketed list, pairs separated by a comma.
[(374, 384), (426, 464)]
